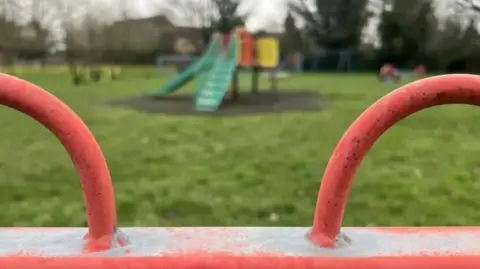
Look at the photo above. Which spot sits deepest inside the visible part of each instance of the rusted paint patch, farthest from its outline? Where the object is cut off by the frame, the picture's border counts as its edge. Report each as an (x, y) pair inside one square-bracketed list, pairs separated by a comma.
[(367, 129), (424, 230), (274, 241), (227, 261)]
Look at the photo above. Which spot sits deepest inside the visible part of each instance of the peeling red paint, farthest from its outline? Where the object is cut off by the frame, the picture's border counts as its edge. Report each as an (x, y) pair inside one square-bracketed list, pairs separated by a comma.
[(98, 193), (80, 145), (209, 236), (424, 230), (235, 262), (367, 128)]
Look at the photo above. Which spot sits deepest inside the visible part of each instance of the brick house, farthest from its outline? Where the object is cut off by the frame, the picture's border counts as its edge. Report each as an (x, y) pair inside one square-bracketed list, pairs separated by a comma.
[(149, 35)]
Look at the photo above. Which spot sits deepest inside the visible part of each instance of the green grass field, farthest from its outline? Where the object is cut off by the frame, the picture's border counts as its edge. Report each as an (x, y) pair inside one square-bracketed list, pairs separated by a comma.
[(261, 170)]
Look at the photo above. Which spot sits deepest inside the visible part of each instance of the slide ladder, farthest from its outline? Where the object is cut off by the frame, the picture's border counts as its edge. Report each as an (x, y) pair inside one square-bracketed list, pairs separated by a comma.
[(203, 64), (214, 83)]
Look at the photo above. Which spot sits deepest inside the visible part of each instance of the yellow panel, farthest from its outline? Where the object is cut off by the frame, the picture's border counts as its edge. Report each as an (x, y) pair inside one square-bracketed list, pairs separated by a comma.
[(267, 52)]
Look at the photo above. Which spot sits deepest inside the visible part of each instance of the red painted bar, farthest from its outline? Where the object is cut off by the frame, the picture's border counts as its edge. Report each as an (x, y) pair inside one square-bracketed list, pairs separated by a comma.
[(326, 245)]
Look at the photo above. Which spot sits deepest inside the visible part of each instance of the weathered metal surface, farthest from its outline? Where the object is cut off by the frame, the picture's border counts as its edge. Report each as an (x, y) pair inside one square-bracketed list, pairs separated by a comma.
[(82, 147), (325, 246), (364, 132), (276, 241)]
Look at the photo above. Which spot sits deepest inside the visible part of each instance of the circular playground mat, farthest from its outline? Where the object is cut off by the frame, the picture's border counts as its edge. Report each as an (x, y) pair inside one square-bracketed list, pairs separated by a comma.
[(247, 104)]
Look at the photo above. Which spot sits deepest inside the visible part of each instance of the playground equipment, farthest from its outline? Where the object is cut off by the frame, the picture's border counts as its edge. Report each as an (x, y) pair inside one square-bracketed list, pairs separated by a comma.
[(420, 70), (293, 62), (216, 72), (20, 69), (179, 61), (267, 52), (296, 61), (389, 74), (341, 60), (82, 74), (324, 246)]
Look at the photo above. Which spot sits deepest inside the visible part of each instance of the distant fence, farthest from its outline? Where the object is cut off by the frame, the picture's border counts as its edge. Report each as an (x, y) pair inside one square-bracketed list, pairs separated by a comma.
[(59, 68), (18, 69)]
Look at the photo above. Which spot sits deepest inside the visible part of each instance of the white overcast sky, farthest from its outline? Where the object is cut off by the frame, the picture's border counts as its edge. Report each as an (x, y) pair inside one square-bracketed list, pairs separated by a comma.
[(266, 11), (268, 14)]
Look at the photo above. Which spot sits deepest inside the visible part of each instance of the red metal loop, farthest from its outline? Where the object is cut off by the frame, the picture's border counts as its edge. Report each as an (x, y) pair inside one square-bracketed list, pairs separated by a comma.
[(82, 148), (362, 134)]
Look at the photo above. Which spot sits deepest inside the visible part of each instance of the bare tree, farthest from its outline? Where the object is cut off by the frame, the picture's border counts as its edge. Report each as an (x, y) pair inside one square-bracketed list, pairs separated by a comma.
[(457, 37), (123, 14), (93, 26), (37, 38), (9, 29), (292, 39), (227, 17), (333, 23), (71, 14), (197, 13), (471, 5), (209, 15), (190, 12)]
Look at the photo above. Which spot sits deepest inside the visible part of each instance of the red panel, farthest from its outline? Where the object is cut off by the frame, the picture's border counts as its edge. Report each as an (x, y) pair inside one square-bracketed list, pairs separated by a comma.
[(246, 47)]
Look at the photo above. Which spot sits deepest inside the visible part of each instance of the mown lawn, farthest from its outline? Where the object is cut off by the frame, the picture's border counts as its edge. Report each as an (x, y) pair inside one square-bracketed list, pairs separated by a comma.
[(262, 170)]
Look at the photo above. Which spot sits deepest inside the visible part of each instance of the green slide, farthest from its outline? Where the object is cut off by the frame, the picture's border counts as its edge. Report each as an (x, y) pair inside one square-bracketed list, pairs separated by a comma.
[(214, 83), (203, 64)]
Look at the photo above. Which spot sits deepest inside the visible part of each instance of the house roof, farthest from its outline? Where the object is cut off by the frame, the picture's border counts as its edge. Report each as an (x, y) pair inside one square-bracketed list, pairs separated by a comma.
[(161, 19)]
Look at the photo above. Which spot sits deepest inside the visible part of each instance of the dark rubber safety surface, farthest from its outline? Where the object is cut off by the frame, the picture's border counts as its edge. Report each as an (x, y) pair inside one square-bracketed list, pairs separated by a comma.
[(247, 104)]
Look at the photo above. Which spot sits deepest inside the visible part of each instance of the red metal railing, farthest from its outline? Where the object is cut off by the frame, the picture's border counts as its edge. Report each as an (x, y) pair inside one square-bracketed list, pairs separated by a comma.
[(99, 199), (362, 134), (80, 144)]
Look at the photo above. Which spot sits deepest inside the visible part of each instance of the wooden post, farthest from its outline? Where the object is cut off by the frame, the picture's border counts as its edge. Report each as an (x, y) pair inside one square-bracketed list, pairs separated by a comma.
[(235, 87), (273, 80), (273, 83), (255, 68), (255, 78)]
